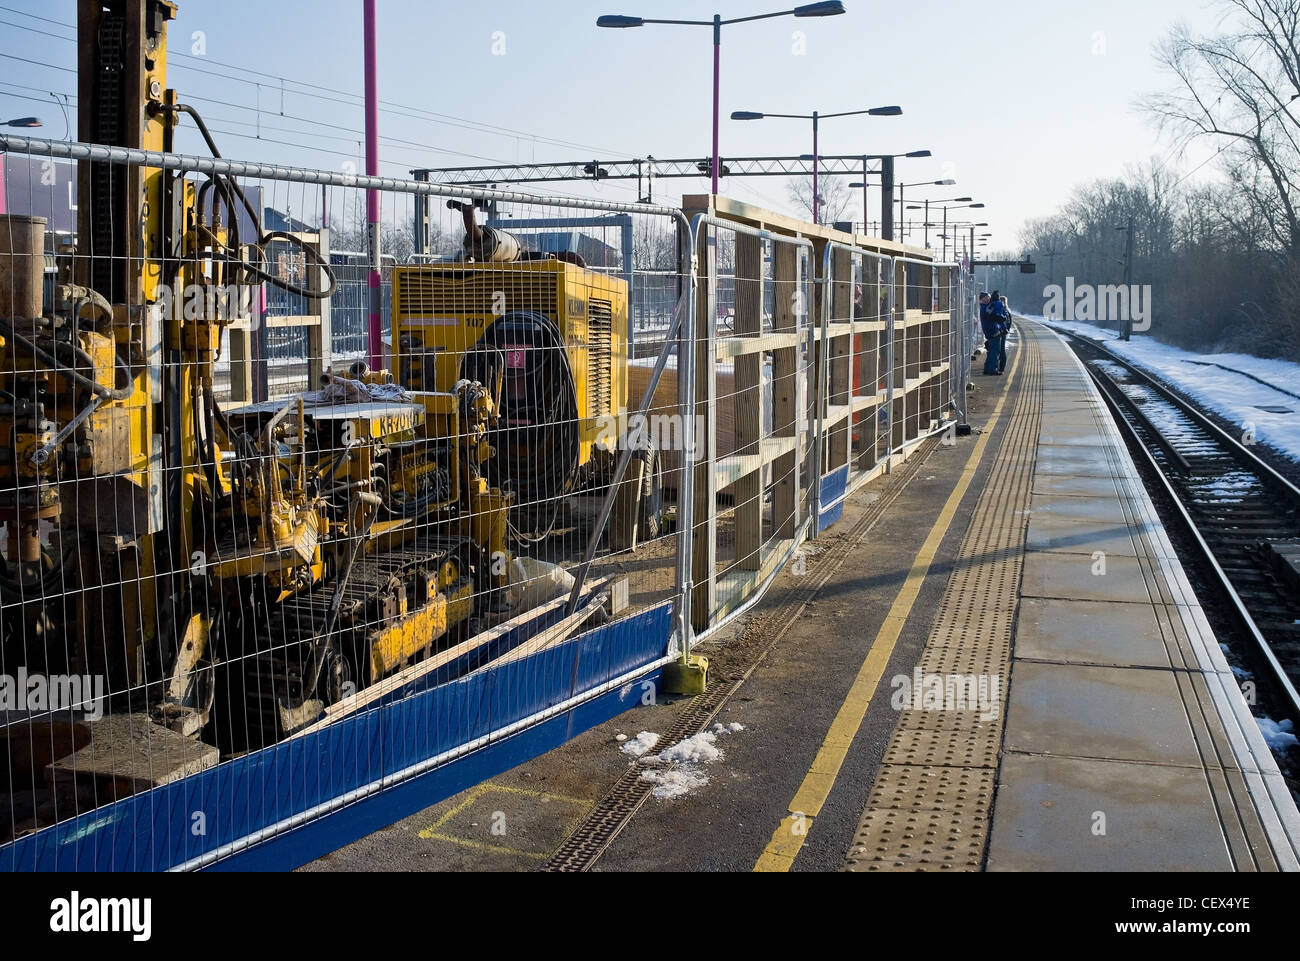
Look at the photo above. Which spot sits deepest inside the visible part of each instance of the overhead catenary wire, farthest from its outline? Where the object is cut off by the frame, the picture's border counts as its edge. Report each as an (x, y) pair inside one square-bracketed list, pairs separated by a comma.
[(390, 107), (355, 99)]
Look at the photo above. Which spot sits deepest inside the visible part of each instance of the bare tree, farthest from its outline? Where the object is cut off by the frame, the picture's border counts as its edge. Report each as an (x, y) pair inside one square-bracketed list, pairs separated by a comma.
[(836, 197), (1241, 88), (395, 240)]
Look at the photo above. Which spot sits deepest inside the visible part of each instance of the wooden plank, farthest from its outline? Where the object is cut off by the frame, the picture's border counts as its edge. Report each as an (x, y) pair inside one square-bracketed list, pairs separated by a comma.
[(388, 685), (841, 355), (836, 329), (554, 634), (898, 416), (241, 366), (749, 401), (737, 586), (623, 522), (836, 415), (730, 347), (787, 375), (730, 470), (754, 216), (288, 321)]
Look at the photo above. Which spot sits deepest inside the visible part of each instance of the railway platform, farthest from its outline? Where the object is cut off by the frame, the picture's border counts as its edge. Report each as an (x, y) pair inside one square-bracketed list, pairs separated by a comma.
[(996, 663), (1126, 743)]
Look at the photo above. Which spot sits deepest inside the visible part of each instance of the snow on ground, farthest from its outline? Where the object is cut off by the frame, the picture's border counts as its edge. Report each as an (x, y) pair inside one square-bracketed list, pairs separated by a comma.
[(678, 770), (1232, 488), (1277, 735), (1232, 394), (640, 745)]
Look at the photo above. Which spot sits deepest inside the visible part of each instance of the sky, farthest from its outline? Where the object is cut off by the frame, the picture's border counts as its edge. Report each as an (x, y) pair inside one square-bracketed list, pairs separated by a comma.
[(1019, 101)]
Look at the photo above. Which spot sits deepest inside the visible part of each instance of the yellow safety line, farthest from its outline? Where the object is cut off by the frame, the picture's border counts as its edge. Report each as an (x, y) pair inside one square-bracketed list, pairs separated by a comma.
[(789, 836)]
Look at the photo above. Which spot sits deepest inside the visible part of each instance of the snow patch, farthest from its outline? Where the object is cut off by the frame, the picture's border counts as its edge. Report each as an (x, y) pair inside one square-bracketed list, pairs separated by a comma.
[(700, 748), (1277, 735), (1234, 397), (678, 770), (640, 745), (675, 782)]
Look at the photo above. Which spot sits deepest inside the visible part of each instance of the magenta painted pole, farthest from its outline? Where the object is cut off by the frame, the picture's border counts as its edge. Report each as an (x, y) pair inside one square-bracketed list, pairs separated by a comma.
[(375, 279), (717, 84)]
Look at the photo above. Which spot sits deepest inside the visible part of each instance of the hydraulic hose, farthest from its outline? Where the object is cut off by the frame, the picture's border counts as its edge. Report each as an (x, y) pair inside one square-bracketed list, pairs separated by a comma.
[(80, 356), (232, 185)]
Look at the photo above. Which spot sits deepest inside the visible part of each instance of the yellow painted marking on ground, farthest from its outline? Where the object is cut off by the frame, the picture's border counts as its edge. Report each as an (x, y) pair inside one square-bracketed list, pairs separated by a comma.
[(474, 795), (433, 832), (487, 787), (484, 846), (538, 795), (816, 788)]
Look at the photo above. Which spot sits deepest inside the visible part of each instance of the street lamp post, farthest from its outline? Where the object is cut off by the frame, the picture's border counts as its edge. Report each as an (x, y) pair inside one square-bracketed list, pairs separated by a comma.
[(927, 183), (956, 203), (887, 186), (816, 119), (956, 248), (827, 9)]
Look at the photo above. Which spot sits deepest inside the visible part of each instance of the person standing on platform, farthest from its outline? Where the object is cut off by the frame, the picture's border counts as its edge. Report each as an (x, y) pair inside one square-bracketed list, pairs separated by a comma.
[(992, 328), (1006, 319)]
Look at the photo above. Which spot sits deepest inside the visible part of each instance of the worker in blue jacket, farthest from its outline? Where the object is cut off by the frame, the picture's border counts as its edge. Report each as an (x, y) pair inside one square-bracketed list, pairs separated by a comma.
[(991, 324), (1003, 312)]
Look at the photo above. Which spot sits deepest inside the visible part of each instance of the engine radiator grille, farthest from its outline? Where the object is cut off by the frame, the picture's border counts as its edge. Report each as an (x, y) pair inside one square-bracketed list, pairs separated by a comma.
[(600, 359), (477, 292)]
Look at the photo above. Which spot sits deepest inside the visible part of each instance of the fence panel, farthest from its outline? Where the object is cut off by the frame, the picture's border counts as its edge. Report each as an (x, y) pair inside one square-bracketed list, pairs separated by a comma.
[(288, 569), (751, 359), (288, 584)]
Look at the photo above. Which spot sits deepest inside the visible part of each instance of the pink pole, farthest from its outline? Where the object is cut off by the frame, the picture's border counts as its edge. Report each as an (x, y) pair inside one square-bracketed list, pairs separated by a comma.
[(375, 280)]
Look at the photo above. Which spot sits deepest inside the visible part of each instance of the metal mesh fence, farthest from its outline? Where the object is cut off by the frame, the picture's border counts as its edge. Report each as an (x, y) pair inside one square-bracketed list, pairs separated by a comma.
[(261, 566)]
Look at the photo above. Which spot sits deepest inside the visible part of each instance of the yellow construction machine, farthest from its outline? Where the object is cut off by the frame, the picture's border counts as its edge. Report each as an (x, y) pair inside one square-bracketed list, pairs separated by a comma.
[(230, 572)]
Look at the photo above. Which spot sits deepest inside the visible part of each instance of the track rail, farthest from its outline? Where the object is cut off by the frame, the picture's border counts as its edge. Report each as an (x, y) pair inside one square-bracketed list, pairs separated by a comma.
[(1235, 507)]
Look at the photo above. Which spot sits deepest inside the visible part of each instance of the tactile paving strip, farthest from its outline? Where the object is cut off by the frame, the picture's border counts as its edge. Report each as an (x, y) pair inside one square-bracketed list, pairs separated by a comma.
[(922, 819), (929, 809)]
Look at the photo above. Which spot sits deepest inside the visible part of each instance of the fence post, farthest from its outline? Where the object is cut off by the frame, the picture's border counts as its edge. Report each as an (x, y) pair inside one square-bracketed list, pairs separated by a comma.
[(704, 551), (320, 336)]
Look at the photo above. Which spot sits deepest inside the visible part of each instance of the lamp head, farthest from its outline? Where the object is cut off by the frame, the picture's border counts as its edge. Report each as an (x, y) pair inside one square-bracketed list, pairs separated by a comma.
[(831, 9)]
